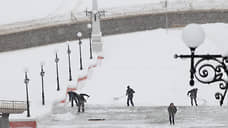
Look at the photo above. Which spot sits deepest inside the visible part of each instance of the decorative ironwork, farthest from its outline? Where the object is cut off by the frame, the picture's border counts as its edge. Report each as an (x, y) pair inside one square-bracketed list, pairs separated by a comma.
[(209, 69)]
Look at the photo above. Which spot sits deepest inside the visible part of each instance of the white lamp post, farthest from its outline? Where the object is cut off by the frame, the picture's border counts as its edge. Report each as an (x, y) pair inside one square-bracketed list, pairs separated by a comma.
[(193, 36)]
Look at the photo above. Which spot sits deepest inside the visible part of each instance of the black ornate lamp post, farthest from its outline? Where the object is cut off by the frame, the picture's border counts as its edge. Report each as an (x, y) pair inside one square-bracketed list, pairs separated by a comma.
[(69, 52), (42, 79), (79, 34), (57, 70), (89, 26), (206, 68), (26, 81)]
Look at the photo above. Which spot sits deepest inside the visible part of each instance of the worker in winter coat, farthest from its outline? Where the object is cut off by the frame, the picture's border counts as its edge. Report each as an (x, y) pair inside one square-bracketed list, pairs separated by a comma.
[(81, 102), (172, 111), (73, 96), (130, 93), (193, 95)]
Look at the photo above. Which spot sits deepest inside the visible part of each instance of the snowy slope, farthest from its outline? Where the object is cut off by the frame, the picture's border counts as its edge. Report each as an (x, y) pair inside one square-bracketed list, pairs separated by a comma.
[(24, 10), (143, 60), (13, 11)]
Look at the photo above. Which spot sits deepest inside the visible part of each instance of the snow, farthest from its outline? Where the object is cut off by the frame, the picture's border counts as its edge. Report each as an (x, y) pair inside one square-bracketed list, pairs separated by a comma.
[(31, 9), (143, 60), (22, 10), (141, 117), (71, 11), (64, 116), (55, 10), (221, 41)]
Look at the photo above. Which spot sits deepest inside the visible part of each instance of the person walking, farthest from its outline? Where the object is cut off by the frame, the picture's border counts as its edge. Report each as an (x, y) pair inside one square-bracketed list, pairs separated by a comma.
[(130, 93), (172, 111), (193, 95)]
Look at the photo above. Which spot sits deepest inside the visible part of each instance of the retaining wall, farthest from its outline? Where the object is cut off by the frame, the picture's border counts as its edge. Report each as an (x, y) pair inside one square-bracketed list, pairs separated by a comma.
[(109, 26)]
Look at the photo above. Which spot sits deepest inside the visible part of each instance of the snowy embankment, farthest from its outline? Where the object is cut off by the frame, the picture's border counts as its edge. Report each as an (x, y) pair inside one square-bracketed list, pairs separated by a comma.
[(138, 117), (143, 60), (59, 7), (70, 11)]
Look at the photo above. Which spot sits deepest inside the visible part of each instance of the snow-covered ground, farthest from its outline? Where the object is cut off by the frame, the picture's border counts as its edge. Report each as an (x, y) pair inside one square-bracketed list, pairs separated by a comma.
[(31, 9), (137, 117), (15, 11), (71, 11), (143, 60)]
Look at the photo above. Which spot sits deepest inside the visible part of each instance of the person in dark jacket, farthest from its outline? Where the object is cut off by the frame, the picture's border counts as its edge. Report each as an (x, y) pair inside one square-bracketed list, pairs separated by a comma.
[(130, 93), (172, 111), (193, 95), (73, 96), (81, 102)]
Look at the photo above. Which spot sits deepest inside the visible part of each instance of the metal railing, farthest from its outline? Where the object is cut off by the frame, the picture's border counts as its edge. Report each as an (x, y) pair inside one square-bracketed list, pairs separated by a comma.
[(7, 106)]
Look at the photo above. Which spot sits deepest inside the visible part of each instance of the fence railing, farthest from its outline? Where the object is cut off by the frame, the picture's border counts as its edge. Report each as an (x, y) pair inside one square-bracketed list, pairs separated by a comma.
[(7, 106)]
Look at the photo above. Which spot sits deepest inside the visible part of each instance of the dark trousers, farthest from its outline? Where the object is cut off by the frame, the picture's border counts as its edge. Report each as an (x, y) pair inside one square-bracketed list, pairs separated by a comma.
[(72, 101), (171, 119), (81, 106), (130, 99), (193, 98)]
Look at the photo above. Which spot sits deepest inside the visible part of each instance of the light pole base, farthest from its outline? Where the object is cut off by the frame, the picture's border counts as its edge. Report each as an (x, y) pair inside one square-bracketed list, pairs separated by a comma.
[(96, 37), (97, 47)]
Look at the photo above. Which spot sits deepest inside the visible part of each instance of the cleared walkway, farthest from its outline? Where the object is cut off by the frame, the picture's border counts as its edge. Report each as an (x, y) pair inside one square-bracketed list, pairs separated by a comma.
[(137, 117)]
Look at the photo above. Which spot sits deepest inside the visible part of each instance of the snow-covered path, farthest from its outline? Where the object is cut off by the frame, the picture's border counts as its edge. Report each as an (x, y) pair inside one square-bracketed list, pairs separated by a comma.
[(137, 117)]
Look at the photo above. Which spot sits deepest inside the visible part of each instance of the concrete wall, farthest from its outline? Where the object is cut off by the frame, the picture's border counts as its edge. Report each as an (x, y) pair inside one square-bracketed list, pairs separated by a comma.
[(115, 25)]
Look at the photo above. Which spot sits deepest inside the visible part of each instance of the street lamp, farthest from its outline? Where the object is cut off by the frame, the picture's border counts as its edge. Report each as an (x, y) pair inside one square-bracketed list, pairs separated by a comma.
[(42, 79), (69, 52), (79, 35), (26, 81), (57, 70), (89, 26), (209, 68)]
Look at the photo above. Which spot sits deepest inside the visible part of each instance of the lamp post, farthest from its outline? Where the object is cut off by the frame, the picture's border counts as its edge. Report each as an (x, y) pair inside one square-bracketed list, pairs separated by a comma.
[(89, 26), (69, 52), (205, 68), (57, 70), (26, 81), (42, 80), (79, 34)]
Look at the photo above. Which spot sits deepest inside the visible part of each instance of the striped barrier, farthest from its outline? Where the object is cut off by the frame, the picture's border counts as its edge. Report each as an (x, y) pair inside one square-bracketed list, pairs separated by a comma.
[(23, 124), (82, 78)]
